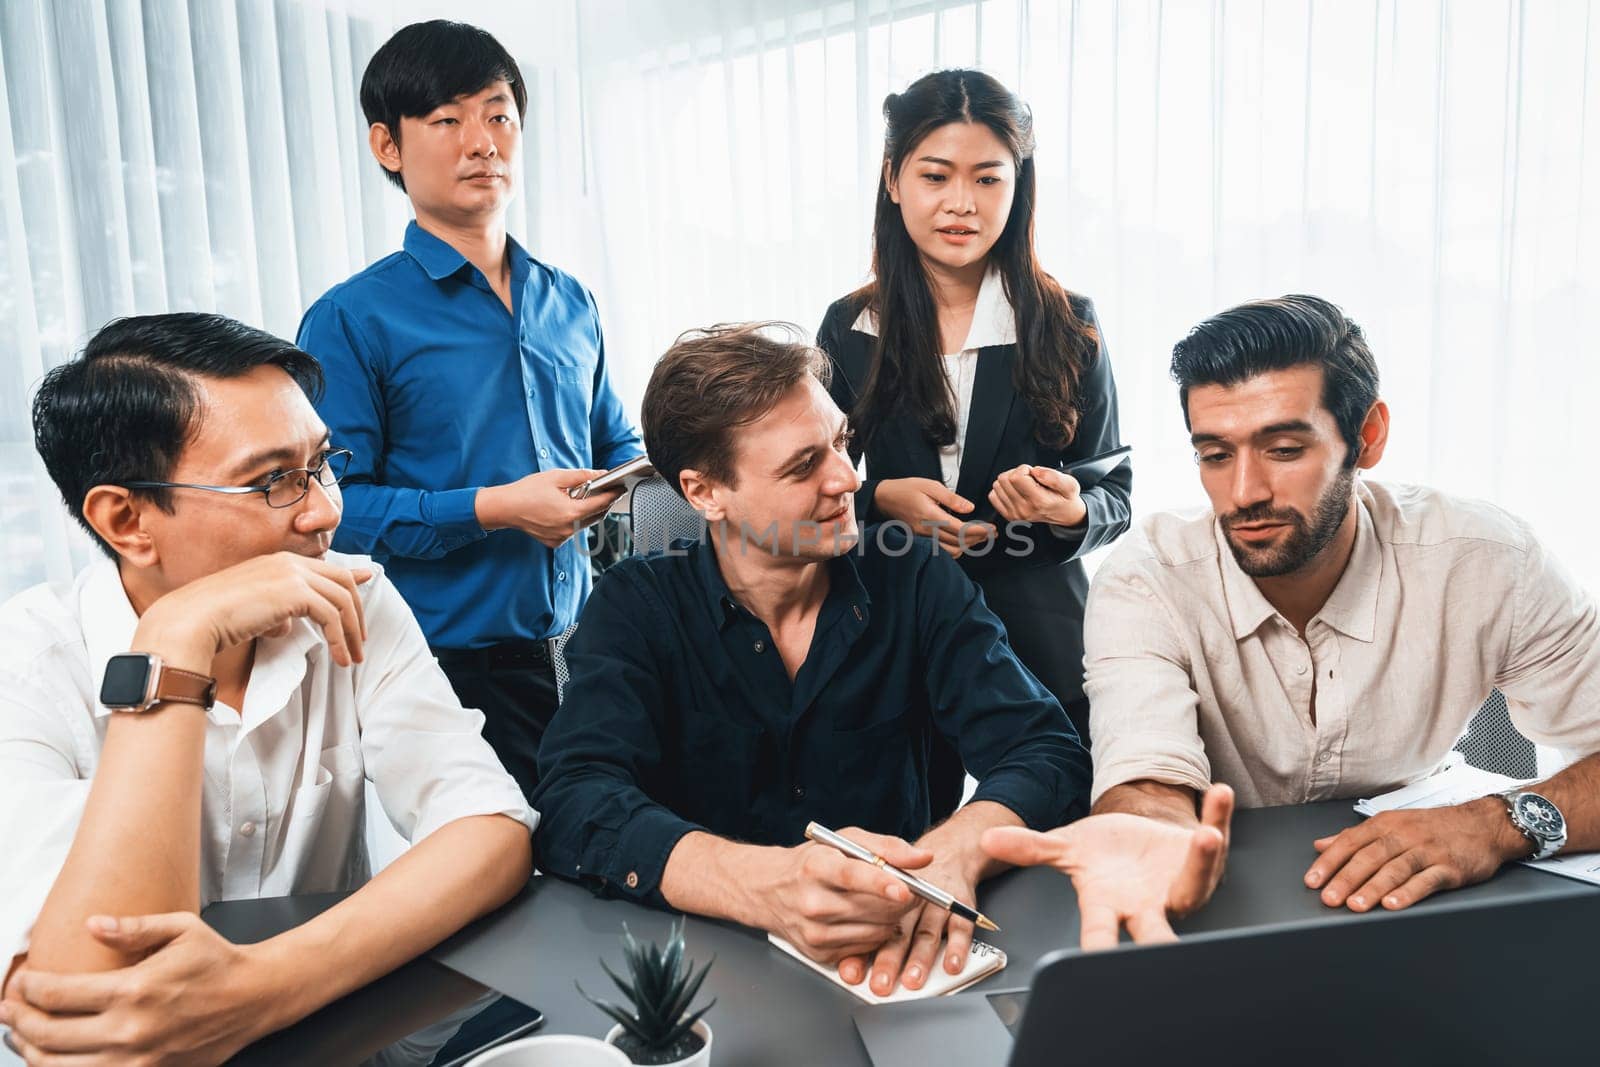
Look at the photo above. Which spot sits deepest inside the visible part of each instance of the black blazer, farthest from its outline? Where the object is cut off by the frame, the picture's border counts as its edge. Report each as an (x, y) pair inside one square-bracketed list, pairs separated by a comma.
[(999, 437)]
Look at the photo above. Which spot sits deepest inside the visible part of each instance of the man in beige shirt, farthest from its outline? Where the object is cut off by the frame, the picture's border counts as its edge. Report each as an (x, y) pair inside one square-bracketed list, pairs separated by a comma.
[(1313, 636)]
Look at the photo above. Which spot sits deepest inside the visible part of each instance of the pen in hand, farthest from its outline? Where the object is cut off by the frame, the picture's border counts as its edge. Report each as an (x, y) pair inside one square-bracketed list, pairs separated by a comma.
[(927, 891)]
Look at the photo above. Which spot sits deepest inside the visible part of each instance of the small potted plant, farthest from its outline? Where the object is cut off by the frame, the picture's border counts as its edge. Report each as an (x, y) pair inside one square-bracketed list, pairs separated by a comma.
[(660, 1030)]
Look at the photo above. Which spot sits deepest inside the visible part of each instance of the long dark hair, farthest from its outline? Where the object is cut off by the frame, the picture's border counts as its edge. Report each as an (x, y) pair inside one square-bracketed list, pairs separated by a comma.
[(1054, 345)]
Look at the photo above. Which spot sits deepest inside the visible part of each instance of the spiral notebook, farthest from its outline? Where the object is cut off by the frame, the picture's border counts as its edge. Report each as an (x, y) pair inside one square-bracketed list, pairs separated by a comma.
[(982, 961)]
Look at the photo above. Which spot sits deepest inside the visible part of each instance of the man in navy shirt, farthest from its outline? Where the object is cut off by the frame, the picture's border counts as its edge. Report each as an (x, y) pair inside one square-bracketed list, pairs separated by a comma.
[(470, 382), (792, 669)]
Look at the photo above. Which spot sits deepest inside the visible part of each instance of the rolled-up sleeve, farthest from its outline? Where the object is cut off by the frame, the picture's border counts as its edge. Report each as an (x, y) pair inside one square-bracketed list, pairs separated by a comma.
[(424, 753), (600, 826), (1143, 711), (1551, 671), (41, 803), (1012, 734)]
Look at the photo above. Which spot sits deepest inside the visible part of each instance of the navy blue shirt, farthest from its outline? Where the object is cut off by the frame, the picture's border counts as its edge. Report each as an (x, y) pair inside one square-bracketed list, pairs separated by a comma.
[(440, 391), (679, 714)]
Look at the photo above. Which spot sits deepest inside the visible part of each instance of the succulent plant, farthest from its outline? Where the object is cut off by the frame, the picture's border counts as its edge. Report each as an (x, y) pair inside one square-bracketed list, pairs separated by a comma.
[(663, 983)]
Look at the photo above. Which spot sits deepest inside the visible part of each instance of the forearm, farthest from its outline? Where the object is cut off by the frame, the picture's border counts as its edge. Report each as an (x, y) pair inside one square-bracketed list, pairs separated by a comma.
[(709, 875), (137, 848), (957, 838), (1173, 804), (461, 871)]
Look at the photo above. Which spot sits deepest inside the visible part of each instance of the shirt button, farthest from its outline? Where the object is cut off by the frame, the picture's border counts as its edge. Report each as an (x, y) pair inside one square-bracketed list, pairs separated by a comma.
[(247, 830), (544, 453), (561, 576), (1324, 757), (1301, 669), (760, 646), (799, 792), (633, 879)]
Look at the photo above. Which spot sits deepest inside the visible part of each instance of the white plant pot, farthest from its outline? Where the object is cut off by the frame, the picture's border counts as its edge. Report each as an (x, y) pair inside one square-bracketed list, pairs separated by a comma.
[(553, 1050), (699, 1059)]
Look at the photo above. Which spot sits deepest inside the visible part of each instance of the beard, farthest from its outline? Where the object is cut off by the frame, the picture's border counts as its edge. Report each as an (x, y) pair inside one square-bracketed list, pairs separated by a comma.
[(1306, 537)]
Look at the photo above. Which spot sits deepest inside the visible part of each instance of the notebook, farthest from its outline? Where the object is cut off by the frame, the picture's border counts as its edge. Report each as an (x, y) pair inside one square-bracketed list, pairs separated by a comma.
[(983, 960)]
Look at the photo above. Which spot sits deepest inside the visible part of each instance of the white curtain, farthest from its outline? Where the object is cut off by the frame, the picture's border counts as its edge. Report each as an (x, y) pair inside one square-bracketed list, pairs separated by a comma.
[(1425, 163)]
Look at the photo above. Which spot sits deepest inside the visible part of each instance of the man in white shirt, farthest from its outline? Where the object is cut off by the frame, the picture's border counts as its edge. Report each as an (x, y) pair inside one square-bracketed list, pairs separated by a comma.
[(195, 718), (1314, 636)]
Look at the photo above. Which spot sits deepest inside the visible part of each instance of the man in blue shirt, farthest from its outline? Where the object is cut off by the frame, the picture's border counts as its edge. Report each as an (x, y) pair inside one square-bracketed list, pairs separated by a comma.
[(470, 382), (793, 669)]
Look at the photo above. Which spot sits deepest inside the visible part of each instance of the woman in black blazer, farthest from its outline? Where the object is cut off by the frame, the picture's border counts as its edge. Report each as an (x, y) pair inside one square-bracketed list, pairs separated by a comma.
[(959, 308)]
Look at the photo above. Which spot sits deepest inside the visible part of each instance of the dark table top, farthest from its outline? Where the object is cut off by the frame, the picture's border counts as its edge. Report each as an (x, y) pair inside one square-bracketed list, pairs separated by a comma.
[(772, 1012)]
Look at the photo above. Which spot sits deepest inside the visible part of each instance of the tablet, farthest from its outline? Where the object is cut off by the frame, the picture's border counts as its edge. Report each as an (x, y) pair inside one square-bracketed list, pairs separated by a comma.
[(1091, 471)]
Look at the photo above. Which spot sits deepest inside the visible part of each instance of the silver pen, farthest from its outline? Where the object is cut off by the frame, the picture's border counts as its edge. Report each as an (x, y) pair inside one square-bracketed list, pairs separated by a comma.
[(926, 890)]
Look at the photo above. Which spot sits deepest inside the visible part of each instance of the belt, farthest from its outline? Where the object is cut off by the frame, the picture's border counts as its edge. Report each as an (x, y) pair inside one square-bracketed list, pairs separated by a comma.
[(498, 657)]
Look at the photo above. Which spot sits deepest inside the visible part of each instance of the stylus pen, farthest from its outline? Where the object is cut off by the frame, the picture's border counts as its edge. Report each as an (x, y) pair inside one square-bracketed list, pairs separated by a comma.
[(926, 890)]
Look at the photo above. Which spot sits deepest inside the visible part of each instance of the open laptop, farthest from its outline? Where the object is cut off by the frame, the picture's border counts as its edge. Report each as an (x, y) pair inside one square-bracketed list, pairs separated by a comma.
[(1507, 982)]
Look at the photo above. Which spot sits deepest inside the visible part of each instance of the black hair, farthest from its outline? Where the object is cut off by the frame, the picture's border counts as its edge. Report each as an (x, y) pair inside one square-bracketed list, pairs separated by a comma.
[(1054, 346), (126, 407), (1272, 335), (427, 64)]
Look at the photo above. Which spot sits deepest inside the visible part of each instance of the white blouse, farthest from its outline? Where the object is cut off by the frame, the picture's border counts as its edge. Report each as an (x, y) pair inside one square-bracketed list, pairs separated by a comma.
[(993, 323)]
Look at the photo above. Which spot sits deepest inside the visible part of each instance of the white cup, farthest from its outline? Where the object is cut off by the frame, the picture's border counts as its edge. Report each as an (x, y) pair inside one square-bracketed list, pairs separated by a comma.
[(553, 1050)]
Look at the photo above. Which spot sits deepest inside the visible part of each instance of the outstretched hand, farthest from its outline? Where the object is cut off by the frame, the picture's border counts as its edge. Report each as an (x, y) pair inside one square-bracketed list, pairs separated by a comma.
[(1129, 871)]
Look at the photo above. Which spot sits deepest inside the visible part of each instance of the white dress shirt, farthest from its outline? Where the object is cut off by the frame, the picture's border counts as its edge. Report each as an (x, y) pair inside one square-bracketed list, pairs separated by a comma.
[(282, 809), (993, 323), (1194, 677)]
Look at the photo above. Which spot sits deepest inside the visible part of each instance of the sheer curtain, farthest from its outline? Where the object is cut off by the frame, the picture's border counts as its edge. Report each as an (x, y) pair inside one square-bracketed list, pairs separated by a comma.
[(1425, 164)]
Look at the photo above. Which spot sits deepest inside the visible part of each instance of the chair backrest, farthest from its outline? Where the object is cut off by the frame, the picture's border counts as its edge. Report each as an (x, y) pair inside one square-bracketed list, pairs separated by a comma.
[(1492, 743), (659, 516)]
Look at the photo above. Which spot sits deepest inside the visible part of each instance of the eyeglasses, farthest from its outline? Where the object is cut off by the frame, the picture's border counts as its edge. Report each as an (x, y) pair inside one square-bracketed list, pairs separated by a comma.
[(284, 489)]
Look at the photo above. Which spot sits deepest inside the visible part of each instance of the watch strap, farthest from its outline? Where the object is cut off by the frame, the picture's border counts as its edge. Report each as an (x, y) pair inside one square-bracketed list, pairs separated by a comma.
[(175, 686)]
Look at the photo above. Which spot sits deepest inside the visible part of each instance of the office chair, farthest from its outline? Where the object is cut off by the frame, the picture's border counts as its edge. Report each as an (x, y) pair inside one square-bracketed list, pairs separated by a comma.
[(659, 516), (1492, 743)]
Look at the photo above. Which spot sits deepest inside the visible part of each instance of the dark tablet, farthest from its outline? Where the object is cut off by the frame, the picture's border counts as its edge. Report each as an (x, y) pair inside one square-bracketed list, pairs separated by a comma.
[(1090, 471)]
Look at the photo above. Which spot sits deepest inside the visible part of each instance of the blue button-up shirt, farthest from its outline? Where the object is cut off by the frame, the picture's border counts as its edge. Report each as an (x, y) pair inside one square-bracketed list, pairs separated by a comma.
[(679, 714), (439, 391)]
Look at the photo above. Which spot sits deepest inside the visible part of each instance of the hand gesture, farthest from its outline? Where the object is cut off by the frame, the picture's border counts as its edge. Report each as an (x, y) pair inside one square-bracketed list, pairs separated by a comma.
[(189, 1001), (831, 906), (539, 506), (1129, 870), (260, 597), (932, 510), (1038, 494)]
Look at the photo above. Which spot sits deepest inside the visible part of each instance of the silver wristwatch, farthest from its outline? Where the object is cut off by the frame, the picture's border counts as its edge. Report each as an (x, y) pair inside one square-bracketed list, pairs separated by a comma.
[(1539, 821)]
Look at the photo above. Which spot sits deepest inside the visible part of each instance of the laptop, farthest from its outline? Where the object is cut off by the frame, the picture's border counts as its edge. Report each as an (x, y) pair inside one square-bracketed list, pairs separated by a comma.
[(1507, 982)]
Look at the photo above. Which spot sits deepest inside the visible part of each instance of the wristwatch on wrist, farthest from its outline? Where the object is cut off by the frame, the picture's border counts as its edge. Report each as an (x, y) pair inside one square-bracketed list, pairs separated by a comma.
[(138, 681), (1539, 821)]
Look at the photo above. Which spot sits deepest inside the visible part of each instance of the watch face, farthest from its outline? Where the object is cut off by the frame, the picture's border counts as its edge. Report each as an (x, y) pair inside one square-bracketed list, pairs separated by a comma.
[(126, 679), (1540, 816)]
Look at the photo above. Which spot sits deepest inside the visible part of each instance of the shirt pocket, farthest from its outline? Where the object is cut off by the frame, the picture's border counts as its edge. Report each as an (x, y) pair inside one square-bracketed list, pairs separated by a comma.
[(890, 754), (324, 844)]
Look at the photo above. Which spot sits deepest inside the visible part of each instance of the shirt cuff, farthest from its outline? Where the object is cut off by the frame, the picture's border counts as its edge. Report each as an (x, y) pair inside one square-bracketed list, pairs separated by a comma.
[(1156, 767), (1039, 809), (454, 516), (640, 858), (471, 801)]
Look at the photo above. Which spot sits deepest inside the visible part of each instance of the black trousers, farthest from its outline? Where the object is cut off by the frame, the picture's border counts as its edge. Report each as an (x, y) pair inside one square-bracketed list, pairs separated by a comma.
[(514, 685)]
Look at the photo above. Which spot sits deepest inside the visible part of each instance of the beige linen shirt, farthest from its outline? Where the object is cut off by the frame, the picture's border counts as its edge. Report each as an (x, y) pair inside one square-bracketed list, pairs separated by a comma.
[(1194, 677)]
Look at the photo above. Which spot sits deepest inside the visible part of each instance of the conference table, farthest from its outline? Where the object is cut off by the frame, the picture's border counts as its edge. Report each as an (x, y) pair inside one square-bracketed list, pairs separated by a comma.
[(770, 1010)]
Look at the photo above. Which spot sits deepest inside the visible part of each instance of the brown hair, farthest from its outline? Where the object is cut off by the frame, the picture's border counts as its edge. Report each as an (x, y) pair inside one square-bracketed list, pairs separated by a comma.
[(712, 381)]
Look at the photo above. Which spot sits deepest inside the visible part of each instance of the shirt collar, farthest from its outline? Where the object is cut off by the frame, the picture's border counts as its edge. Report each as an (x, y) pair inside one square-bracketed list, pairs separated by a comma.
[(1352, 607), (109, 623), (439, 259), (844, 582), (993, 320)]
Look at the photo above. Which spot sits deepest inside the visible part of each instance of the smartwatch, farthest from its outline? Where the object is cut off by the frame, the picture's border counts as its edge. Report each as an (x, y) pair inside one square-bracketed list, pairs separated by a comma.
[(138, 681)]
